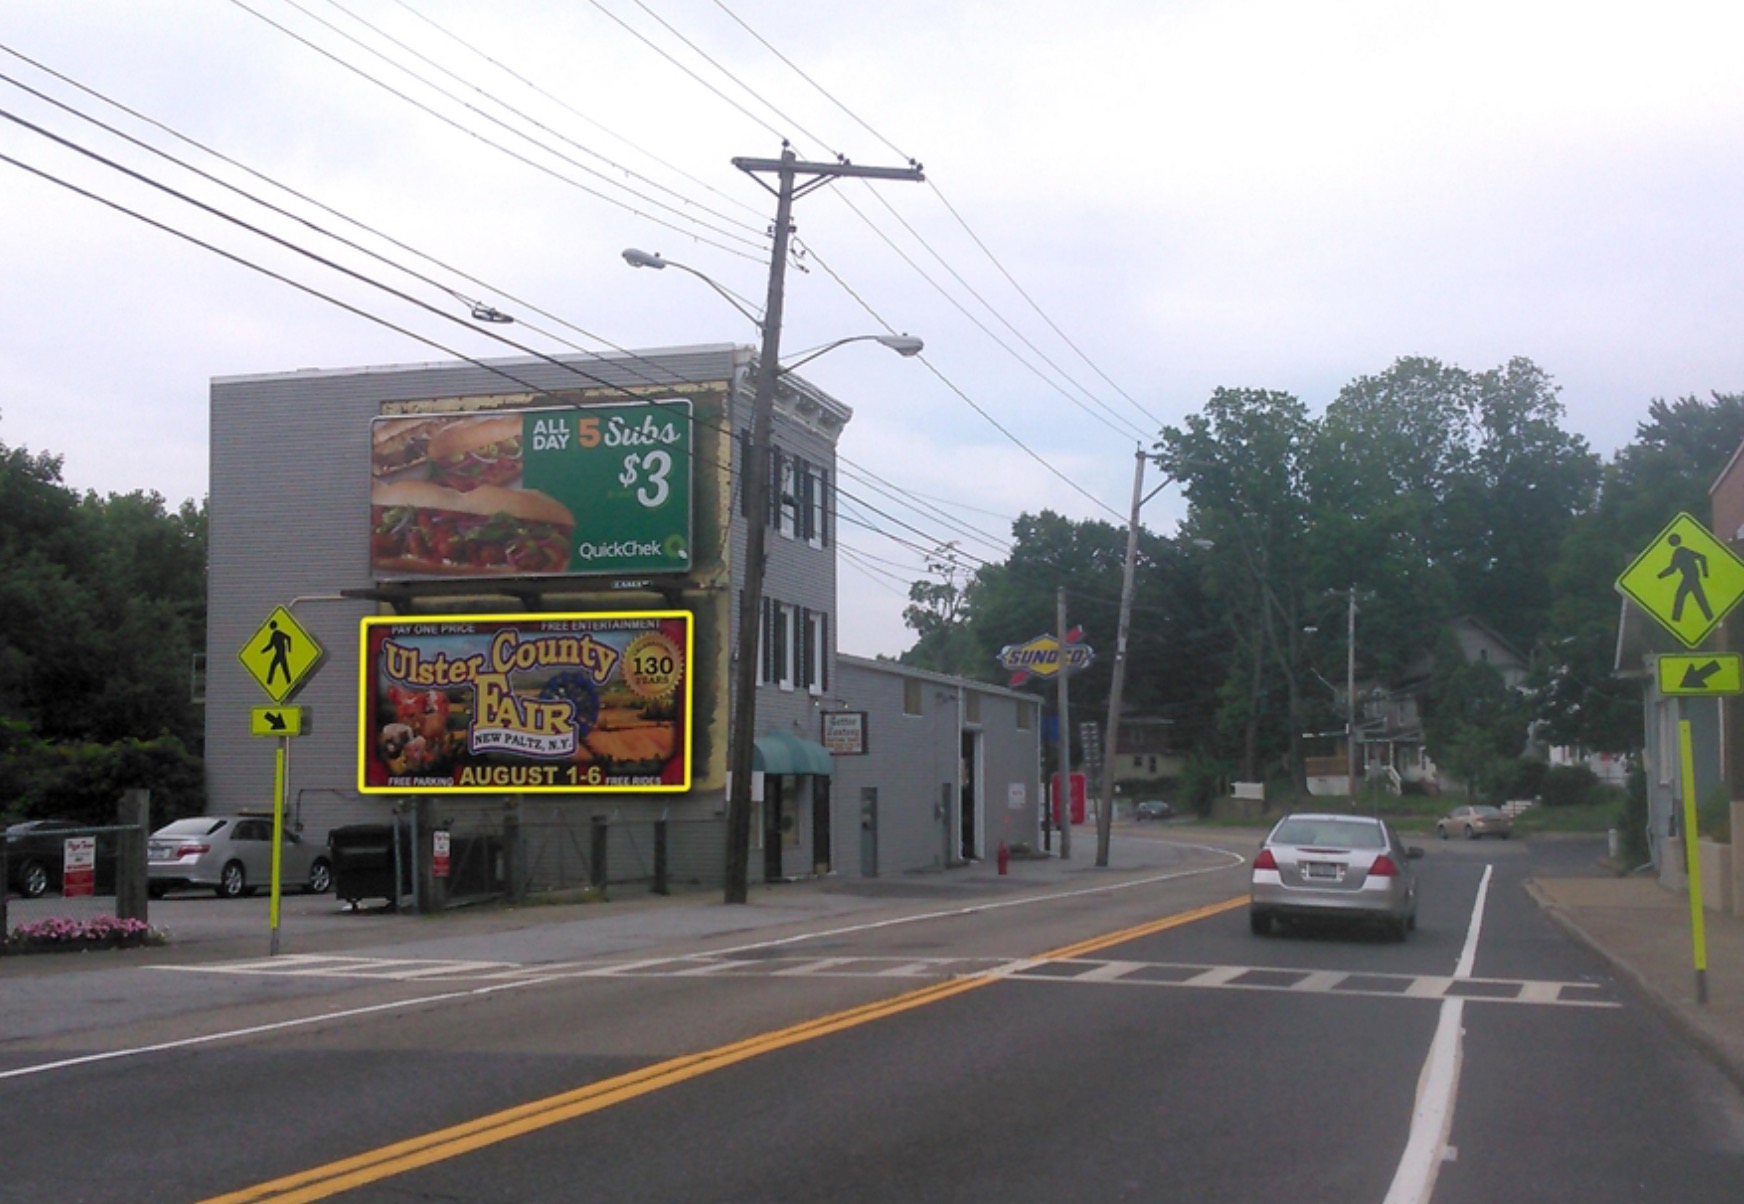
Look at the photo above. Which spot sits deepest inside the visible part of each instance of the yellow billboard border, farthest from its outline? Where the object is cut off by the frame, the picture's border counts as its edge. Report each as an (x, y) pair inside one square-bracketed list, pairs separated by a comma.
[(363, 684)]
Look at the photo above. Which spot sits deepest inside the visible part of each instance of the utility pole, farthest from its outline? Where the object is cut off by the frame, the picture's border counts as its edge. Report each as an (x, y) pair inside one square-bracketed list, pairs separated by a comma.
[(1350, 693), (1111, 743), (754, 479), (1064, 794)]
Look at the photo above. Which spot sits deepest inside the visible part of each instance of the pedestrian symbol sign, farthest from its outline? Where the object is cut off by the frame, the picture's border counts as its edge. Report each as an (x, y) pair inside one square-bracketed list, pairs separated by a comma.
[(280, 655), (1686, 579)]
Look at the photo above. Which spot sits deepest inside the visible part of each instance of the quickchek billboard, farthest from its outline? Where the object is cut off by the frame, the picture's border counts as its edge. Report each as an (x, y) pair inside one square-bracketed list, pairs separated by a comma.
[(600, 489), (560, 703)]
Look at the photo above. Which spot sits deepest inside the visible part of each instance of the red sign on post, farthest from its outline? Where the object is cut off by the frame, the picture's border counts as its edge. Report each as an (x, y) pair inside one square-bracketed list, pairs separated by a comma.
[(79, 867), (1078, 789), (439, 854)]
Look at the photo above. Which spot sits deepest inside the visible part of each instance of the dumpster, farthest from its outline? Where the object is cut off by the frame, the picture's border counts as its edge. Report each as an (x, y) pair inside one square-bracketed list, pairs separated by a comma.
[(364, 862)]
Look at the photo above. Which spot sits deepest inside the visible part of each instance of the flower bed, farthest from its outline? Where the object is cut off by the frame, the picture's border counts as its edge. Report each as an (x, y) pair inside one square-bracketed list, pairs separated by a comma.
[(64, 935)]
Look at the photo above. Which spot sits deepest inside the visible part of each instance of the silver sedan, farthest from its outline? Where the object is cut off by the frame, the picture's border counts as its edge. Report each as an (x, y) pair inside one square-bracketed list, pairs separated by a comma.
[(1347, 867)]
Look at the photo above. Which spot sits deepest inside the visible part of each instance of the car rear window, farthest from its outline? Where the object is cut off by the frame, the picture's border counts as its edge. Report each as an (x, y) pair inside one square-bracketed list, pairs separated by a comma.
[(199, 826), (1338, 833)]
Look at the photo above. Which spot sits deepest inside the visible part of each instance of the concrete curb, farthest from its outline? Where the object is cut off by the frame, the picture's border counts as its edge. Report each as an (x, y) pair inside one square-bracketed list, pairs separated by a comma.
[(1699, 1030)]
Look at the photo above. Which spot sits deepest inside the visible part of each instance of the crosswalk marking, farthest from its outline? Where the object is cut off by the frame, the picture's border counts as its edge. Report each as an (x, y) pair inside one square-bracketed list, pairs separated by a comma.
[(1291, 980)]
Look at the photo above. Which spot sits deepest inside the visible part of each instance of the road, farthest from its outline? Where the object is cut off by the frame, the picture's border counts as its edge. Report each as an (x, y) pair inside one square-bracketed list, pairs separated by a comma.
[(1059, 1044)]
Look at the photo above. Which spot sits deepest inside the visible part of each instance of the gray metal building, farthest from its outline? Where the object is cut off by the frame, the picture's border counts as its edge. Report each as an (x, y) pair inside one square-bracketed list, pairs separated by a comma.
[(290, 526)]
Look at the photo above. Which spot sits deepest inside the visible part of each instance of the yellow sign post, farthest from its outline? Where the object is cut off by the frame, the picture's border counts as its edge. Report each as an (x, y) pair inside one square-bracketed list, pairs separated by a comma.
[(1686, 579), (281, 656), (1701, 674), (1692, 853)]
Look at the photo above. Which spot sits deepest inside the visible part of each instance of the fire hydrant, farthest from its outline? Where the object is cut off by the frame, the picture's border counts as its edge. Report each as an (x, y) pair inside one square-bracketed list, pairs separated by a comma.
[(1004, 857)]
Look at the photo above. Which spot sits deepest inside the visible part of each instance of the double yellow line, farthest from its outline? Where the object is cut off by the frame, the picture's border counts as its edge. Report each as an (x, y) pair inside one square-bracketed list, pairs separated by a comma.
[(320, 1182)]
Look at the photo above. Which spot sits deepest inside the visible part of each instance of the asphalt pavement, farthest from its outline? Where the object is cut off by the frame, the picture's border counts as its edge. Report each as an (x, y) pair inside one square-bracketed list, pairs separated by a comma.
[(1641, 928)]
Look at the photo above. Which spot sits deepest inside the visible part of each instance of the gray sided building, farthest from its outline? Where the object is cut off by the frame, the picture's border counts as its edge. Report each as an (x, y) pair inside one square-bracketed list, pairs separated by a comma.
[(312, 474)]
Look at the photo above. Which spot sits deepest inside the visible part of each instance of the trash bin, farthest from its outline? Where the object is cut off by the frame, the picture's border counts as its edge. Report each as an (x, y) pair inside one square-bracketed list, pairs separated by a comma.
[(364, 862)]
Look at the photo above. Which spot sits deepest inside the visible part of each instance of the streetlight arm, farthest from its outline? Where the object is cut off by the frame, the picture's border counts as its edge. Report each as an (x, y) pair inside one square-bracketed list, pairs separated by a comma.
[(644, 259), (903, 344)]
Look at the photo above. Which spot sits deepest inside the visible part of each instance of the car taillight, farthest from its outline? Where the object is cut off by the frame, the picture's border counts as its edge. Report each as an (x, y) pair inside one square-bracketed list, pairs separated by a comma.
[(1265, 861), (1383, 867), (192, 850)]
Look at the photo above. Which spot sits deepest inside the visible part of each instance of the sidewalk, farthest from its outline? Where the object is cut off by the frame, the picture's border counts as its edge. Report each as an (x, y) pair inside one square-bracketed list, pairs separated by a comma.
[(1644, 931)]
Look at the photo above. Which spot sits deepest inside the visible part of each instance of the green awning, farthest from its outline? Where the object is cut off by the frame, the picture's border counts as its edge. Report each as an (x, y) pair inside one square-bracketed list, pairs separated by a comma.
[(781, 753)]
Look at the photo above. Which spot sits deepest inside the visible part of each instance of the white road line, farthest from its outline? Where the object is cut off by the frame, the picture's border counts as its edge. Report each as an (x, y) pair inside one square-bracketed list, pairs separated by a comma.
[(1438, 1084)]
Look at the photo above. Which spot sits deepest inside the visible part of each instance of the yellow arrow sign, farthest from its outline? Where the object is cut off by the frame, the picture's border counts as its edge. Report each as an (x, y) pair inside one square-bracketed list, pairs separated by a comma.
[(1686, 579), (1701, 673), (275, 721), (281, 656)]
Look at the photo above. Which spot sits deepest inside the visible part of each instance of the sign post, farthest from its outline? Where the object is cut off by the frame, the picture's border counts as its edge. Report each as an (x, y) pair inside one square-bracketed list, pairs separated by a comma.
[(1698, 934), (1689, 581), (281, 657)]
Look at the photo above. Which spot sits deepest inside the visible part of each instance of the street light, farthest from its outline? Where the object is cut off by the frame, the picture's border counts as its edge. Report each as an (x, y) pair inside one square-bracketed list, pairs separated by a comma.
[(755, 483)]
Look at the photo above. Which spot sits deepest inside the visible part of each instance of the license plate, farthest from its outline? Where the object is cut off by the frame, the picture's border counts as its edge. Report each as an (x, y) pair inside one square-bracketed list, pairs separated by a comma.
[(1322, 871)]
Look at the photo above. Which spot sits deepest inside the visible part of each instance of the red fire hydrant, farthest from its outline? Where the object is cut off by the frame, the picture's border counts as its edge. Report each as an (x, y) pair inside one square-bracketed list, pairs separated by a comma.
[(1004, 857)]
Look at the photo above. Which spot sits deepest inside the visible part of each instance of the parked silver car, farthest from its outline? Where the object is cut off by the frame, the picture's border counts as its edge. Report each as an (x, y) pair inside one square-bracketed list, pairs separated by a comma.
[(231, 855), (1347, 867)]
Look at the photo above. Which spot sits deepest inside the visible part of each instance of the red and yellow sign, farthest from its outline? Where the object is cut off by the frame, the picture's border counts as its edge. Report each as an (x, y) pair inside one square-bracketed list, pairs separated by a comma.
[(559, 704)]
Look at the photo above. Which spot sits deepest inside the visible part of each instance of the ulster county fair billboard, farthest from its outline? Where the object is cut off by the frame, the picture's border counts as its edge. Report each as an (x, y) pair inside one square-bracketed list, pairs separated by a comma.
[(574, 490), (560, 703)]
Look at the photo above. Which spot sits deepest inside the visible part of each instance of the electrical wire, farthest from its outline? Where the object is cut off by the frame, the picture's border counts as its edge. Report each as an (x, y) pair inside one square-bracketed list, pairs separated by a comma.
[(517, 156)]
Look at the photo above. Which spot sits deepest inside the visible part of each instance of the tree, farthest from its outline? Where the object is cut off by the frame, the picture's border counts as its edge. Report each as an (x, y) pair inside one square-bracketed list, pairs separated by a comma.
[(939, 615), (102, 606), (1676, 455), (1242, 464)]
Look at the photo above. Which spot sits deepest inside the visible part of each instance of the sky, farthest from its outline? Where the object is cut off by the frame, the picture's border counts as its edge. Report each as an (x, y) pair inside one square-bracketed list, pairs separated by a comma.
[(1127, 205)]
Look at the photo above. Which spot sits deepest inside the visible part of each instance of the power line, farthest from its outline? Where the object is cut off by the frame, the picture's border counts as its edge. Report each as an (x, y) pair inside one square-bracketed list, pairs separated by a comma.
[(449, 121)]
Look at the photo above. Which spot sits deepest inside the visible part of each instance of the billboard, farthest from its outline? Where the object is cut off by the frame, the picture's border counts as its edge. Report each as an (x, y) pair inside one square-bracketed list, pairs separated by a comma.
[(558, 703), (581, 490)]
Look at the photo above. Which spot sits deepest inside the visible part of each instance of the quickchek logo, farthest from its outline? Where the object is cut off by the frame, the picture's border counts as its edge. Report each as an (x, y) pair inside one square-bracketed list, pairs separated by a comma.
[(617, 550), (1041, 656)]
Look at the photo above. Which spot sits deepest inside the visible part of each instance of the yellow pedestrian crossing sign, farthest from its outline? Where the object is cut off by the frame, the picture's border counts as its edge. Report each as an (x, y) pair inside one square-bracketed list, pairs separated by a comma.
[(1686, 579), (281, 656)]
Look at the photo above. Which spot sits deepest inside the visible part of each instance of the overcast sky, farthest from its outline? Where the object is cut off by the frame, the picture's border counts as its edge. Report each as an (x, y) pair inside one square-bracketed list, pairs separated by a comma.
[(1128, 204)]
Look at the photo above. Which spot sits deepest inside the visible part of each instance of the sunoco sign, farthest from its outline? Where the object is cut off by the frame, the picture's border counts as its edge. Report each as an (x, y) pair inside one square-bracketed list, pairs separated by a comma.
[(1041, 656)]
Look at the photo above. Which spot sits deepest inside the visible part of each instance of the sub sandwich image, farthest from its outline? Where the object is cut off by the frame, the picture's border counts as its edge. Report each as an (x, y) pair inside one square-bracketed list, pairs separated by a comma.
[(422, 527), (466, 453)]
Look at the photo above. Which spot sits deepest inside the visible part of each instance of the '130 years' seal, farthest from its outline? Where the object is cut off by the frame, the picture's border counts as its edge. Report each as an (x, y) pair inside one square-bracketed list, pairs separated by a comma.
[(653, 665)]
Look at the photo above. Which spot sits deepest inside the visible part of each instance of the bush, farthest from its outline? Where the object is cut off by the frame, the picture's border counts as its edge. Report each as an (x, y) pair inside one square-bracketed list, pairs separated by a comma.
[(1568, 786), (1527, 778), (1632, 820)]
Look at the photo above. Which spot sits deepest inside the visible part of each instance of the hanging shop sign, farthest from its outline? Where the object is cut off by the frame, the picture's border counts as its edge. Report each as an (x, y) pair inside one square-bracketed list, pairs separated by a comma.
[(593, 490), (559, 703)]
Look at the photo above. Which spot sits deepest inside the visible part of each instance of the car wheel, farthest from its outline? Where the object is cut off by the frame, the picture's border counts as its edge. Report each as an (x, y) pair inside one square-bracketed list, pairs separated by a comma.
[(156, 891), (1441, 831), (320, 878), (1259, 923), (1399, 928), (1469, 833), (232, 882), (33, 880)]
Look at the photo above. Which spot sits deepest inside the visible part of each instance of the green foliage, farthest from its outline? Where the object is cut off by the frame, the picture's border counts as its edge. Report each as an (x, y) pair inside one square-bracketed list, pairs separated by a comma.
[(104, 605), (1632, 819), (85, 781), (1568, 786)]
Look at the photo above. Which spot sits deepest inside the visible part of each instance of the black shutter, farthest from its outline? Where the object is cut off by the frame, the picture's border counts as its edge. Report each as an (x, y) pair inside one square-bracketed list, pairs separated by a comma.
[(826, 506), (775, 458), (806, 524), (824, 651), (743, 476), (807, 650)]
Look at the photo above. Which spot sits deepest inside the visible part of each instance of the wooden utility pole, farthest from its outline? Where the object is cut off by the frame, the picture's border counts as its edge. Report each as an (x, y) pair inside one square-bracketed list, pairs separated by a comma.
[(754, 479), (1064, 794)]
